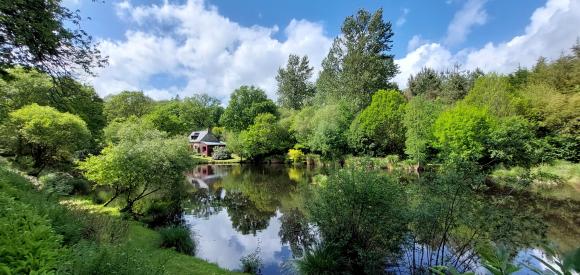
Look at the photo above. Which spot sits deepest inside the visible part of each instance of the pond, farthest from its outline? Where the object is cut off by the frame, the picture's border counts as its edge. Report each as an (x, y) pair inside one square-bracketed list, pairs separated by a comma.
[(237, 210)]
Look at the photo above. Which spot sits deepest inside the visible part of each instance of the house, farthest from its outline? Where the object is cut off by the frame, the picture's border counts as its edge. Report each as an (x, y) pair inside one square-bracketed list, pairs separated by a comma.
[(204, 142)]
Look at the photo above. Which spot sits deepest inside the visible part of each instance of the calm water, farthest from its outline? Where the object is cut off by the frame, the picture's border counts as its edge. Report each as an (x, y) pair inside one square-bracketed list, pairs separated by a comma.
[(236, 210)]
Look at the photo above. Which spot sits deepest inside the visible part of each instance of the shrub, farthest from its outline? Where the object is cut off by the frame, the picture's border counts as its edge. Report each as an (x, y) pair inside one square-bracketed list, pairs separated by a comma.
[(27, 244), (320, 260), (177, 237), (162, 213), (59, 183), (221, 153), (252, 262), (295, 155), (361, 214)]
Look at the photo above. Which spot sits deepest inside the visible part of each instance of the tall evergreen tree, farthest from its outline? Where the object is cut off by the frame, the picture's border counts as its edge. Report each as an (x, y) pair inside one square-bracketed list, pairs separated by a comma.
[(359, 62)]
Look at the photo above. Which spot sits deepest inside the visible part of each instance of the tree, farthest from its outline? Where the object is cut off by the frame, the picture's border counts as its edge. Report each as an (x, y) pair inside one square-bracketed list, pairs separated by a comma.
[(379, 129), (48, 133), (126, 104), (294, 87), (358, 63), (511, 142), (245, 104), (493, 92), (462, 133), (135, 170), (262, 138), (427, 82), (23, 87), (44, 35), (457, 83), (328, 130), (420, 115)]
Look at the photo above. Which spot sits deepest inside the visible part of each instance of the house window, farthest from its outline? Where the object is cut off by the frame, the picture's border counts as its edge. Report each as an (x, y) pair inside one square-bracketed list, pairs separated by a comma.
[(194, 136)]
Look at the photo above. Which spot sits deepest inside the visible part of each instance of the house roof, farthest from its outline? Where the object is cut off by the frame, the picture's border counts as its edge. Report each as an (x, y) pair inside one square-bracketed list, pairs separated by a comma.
[(205, 136)]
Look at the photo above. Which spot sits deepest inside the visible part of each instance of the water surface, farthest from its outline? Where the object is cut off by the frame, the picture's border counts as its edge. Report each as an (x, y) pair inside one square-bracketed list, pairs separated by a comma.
[(236, 210)]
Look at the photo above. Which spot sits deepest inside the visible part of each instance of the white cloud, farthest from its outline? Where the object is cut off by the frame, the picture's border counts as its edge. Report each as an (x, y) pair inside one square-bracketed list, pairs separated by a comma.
[(403, 18), (415, 42), (208, 51), (471, 14), (553, 28)]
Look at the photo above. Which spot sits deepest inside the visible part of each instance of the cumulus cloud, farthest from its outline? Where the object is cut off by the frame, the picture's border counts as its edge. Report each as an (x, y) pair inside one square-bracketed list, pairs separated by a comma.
[(471, 14), (553, 28), (207, 52)]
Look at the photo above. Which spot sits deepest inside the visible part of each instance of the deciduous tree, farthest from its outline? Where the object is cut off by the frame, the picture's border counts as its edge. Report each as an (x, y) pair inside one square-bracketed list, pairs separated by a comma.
[(294, 87)]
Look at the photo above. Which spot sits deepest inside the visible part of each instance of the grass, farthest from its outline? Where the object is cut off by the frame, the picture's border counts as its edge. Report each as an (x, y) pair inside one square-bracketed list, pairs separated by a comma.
[(208, 160), (558, 180)]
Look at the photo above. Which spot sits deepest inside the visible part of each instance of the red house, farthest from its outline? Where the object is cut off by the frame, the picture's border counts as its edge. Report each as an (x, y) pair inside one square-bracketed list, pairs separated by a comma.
[(204, 142)]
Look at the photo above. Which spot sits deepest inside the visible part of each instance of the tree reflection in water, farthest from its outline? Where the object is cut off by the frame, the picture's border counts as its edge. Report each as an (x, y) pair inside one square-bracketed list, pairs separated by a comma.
[(447, 218)]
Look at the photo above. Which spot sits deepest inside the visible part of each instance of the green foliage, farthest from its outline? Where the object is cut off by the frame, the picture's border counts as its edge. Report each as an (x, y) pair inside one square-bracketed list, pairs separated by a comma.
[(127, 104), (57, 183), (252, 263), (28, 244), (179, 117), (221, 153), (295, 155), (358, 63), (294, 87), (444, 270), (511, 142), (246, 103), (563, 74), (89, 258), (45, 35), (462, 132), (494, 93), (379, 129), (327, 131), (50, 134), (179, 238), (139, 169), (262, 138), (322, 260), (23, 87), (360, 214), (132, 130), (427, 83), (553, 111), (497, 261), (419, 119)]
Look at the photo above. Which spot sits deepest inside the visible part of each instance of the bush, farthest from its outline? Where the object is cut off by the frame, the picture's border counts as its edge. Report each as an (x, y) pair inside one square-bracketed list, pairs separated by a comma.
[(178, 237), (221, 153), (59, 183), (295, 155), (320, 260), (361, 214), (27, 244), (162, 213), (252, 263)]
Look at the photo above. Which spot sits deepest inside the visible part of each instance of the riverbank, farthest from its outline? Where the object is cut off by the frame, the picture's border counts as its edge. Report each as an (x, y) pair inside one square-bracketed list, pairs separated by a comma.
[(50, 234)]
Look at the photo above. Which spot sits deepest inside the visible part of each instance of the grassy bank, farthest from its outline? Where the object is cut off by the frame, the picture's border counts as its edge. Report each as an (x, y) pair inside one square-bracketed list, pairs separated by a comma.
[(208, 160), (47, 234), (558, 180)]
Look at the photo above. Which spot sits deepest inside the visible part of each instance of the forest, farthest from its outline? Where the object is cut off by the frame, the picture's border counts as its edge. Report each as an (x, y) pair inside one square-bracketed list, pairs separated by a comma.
[(86, 180)]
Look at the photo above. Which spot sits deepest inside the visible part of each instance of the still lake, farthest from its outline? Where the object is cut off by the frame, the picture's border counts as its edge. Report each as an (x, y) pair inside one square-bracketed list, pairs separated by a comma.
[(236, 210)]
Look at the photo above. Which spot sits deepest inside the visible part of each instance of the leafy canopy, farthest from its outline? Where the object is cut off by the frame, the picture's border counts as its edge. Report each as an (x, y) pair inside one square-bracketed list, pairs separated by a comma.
[(246, 103), (379, 129), (49, 133), (126, 104), (47, 36), (359, 62), (294, 87)]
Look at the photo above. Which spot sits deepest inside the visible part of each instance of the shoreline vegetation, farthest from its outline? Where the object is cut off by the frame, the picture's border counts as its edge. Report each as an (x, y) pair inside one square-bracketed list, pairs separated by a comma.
[(105, 190), (99, 241)]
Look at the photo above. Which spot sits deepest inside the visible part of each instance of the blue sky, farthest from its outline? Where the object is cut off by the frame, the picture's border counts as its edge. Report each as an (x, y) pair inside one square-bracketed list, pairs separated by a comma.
[(213, 46)]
